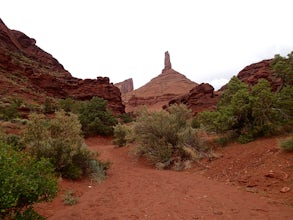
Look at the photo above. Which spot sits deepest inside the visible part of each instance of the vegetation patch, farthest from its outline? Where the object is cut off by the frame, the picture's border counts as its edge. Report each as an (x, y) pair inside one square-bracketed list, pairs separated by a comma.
[(167, 139), (287, 145), (24, 180), (69, 198), (60, 141), (95, 118), (254, 111)]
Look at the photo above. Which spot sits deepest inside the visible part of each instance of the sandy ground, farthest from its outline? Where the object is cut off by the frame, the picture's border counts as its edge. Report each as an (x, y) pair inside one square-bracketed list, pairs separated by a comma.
[(135, 190)]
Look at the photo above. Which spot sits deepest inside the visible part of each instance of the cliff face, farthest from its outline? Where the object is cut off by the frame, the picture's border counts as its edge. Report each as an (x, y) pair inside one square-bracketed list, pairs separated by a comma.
[(261, 70), (160, 90), (125, 86), (28, 72), (198, 99)]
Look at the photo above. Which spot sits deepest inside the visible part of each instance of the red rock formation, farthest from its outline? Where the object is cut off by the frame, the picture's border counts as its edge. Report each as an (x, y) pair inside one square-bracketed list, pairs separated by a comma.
[(28, 72), (167, 62), (201, 97), (17, 42), (160, 90), (125, 86), (261, 70)]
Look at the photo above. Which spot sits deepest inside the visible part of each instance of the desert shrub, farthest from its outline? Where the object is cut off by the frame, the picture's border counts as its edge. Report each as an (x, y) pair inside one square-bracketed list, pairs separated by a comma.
[(264, 117), (122, 135), (69, 198), (49, 106), (287, 145), (283, 68), (195, 123), (164, 137), (284, 105), (24, 180), (66, 104), (9, 112), (126, 118), (69, 105), (9, 109), (95, 118), (28, 213), (97, 170), (249, 112), (221, 141), (60, 140), (14, 141)]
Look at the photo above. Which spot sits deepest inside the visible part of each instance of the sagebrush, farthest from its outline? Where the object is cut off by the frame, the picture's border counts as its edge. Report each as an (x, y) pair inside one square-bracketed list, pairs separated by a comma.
[(166, 137), (60, 140)]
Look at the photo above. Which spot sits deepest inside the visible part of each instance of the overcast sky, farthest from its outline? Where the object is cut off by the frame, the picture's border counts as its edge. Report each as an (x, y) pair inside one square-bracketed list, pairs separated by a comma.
[(208, 40)]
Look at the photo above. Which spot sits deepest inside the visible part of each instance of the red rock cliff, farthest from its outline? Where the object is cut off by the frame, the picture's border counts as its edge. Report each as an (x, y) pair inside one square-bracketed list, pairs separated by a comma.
[(28, 72), (201, 97), (260, 70), (125, 86)]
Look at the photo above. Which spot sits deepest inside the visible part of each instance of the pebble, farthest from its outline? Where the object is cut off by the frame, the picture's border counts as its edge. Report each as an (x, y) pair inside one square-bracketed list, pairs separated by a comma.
[(285, 189)]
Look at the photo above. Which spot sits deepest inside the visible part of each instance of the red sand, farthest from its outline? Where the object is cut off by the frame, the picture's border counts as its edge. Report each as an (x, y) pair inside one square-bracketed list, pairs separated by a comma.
[(135, 190)]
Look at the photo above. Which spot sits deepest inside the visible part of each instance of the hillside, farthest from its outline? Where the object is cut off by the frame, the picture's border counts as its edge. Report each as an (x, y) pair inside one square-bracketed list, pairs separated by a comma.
[(30, 73)]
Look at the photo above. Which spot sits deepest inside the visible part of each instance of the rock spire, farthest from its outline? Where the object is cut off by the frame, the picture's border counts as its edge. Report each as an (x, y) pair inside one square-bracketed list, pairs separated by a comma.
[(167, 62)]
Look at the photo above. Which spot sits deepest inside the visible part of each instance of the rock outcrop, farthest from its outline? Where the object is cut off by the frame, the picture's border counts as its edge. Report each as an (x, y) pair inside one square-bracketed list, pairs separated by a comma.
[(167, 62), (160, 90), (201, 97), (260, 70), (125, 86), (18, 43), (28, 72)]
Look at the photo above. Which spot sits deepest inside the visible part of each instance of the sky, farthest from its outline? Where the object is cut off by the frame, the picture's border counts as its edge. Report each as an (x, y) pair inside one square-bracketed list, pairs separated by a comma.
[(208, 41)]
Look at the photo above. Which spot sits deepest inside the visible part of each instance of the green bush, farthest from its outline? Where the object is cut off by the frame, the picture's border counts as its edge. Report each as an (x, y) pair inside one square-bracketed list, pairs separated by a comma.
[(221, 141), (95, 118), (287, 145), (283, 68), (60, 140), (28, 213), (126, 118), (122, 135), (49, 106), (250, 112), (9, 112), (69, 105), (97, 170), (69, 198), (24, 180), (14, 141), (195, 123), (166, 137)]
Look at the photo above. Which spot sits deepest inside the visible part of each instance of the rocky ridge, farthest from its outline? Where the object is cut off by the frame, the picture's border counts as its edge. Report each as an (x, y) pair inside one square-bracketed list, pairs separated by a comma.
[(28, 72), (260, 70)]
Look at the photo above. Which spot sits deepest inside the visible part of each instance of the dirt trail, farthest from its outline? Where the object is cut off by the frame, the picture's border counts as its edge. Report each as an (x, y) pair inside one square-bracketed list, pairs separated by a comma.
[(134, 190)]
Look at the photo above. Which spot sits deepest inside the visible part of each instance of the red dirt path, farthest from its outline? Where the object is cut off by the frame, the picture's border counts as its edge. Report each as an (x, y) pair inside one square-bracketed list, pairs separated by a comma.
[(135, 190)]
